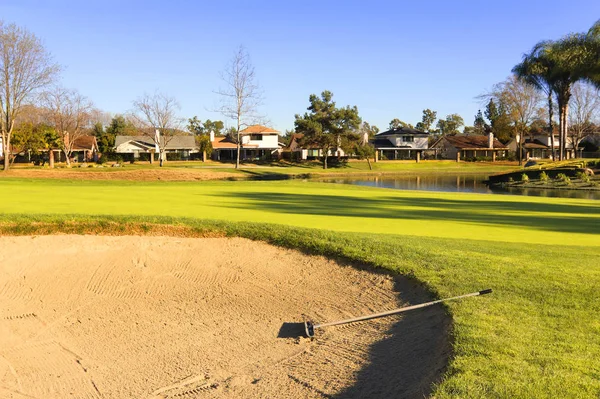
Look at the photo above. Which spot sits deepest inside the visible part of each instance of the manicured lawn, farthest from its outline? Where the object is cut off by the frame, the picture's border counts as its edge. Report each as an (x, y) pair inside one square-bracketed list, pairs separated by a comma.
[(536, 336)]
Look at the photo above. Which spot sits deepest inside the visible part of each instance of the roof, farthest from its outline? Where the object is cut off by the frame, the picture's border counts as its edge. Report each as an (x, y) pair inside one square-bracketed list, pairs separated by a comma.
[(382, 142), (85, 143), (221, 143), (224, 143), (258, 129), (402, 130), (473, 142), (172, 142)]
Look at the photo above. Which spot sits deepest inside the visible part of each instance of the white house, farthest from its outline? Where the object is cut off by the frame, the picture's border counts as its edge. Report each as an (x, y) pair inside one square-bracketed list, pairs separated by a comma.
[(183, 145), (257, 143)]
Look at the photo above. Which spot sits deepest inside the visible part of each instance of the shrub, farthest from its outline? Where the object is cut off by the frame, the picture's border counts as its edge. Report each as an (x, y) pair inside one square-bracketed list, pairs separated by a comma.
[(583, 177), (564, 178), (544, 177), (173, 156), (524, 177)]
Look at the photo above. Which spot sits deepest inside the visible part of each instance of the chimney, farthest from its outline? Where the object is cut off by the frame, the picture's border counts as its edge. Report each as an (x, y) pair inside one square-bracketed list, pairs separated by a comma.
[(212, 136), (491, 140), (156, 140)]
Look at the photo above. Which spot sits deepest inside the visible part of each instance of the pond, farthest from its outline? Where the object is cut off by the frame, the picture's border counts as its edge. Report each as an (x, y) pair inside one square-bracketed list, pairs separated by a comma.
[(456, 183)]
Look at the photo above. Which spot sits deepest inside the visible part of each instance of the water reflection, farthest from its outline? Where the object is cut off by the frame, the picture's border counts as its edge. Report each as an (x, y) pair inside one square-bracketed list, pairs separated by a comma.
[(457, 183)]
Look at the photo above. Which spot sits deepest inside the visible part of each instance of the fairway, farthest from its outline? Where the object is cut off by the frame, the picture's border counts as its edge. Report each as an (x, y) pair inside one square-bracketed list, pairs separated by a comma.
[(536, 336), (321, 205)]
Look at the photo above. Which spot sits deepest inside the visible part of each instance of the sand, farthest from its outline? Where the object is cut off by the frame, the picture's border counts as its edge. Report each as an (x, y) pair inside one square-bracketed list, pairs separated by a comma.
[(164, 317)]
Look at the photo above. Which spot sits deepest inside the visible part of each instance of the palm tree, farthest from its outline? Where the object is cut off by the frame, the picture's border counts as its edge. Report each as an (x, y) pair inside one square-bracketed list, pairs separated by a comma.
[(536, 70), (554, 66)]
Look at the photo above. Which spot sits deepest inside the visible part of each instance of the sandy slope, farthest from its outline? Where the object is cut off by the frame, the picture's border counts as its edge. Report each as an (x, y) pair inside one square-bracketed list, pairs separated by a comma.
[(160, 317)]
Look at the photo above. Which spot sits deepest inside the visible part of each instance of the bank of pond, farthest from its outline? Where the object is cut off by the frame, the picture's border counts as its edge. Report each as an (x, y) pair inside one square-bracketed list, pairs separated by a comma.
[(477, 184)]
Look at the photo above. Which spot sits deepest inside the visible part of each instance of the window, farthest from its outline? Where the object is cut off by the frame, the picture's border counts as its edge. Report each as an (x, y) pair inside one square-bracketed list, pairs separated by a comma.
[(256, 137), (408, 139)]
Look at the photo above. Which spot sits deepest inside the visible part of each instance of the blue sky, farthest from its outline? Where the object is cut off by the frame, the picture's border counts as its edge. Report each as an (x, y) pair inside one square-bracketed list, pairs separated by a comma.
[(392, 59)]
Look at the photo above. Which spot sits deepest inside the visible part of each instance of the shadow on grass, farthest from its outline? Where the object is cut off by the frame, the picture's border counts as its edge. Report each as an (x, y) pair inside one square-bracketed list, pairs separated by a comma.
[(540, 216)]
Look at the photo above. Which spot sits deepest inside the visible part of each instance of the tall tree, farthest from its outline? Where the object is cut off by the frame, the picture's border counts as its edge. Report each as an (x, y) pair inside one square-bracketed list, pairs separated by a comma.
[(157, 116), (479, 124), (69, 113), (327, 127), (427, 120), (495, 112), (241, 96), (556, 65), (25, 68), (585, 110)]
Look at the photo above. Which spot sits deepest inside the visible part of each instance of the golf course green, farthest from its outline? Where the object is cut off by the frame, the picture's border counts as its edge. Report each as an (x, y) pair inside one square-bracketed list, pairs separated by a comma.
[(536, 336)]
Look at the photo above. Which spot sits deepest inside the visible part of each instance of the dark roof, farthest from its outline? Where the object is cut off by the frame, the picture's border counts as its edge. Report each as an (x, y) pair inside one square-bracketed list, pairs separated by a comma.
[(402, 130), (463, 142)]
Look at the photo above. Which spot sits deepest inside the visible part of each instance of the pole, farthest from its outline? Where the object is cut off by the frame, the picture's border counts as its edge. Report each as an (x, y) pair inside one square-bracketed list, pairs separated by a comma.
[(309, 326)]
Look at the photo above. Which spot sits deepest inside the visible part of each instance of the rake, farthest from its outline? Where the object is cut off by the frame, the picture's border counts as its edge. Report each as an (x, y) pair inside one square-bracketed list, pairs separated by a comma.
[(309, 326)]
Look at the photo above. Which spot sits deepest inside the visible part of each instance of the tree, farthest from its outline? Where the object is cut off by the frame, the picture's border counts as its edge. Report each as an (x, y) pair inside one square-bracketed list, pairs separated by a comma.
[(117, 126), (202, 132), (585, 109), (241, 96), (451, 124), (157, 116), (363, 148), (397, 124), (518, 106), (496, 114), (327, 127), (25, 68), (479, 125), (427, 121), (554, 66), (70, 114)]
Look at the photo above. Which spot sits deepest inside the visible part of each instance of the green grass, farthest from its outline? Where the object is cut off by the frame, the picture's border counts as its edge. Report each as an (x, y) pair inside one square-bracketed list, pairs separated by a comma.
[(536, 336)]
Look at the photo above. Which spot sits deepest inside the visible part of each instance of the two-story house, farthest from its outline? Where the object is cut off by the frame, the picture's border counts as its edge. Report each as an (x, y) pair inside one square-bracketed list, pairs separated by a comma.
[(401, 143)]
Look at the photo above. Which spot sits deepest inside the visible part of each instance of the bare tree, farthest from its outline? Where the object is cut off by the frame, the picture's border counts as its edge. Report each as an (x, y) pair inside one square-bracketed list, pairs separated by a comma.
[(520, 101), (157, 115), (25, 67), (585, 109), (70, 113), (241, 96)]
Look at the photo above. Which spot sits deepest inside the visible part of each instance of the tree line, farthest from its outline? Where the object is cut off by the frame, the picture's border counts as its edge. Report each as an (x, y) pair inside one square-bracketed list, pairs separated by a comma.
[(557, 77)]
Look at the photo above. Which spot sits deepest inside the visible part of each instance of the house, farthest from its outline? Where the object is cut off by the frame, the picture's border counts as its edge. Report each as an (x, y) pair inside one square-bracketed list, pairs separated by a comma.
[(257, 143), (85, 149), (303, 152), (540, 146), (182, 146), (401, 143), (461, 146)]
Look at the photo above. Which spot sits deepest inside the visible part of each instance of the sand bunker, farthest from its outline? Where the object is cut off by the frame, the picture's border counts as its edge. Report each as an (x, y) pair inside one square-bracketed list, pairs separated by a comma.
[(161, 317)]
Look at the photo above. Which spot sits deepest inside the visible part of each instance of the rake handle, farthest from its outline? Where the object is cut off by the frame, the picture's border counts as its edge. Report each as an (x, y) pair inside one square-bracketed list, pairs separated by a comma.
[(400, 310)]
